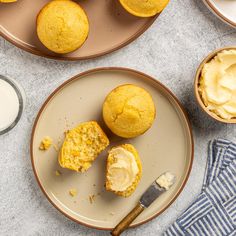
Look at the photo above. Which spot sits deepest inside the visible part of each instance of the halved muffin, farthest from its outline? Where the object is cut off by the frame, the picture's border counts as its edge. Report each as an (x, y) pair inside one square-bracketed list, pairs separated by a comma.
[(124, 170), (82, 145), (143, 8)]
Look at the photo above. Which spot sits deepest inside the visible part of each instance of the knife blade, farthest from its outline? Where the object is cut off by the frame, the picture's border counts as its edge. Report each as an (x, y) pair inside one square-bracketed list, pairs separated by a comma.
[(158, 187)]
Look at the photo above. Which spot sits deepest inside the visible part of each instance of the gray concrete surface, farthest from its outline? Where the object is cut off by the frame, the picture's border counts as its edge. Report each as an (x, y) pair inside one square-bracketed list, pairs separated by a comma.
[(170, 51)]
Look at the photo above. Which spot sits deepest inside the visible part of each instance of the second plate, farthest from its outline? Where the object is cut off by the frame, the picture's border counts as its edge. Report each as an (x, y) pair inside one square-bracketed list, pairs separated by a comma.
[(111, 27)]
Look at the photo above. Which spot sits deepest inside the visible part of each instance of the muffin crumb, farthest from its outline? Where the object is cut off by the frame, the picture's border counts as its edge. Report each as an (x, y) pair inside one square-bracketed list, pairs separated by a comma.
[(45, 143), (58, 173), (55, 148), (73, 192), (91, 198)]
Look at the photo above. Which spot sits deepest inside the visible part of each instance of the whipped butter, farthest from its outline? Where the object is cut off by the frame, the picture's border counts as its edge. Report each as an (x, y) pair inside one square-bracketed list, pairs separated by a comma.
[(123, 171), (166, 180), (218, 84)]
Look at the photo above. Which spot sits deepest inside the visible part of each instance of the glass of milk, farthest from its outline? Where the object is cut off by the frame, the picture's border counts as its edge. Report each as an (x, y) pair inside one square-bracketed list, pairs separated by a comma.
[(12, 101)]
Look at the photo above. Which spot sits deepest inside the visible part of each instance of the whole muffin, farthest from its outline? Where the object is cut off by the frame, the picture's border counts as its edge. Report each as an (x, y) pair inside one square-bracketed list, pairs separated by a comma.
[(62, 26), (128, 111), (143, 8)]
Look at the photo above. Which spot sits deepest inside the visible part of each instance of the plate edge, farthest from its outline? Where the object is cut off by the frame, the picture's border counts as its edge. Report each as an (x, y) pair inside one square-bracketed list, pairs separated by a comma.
[(189, 128), (217, 13)]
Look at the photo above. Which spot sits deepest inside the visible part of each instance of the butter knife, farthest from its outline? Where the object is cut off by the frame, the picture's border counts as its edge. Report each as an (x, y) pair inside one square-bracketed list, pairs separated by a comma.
[(159, 186)]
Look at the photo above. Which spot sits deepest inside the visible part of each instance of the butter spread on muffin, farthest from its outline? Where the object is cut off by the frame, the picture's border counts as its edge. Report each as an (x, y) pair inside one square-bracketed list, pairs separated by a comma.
[(62, 26), (82, 145), (144, 8), (128, 111), (124, 170), (217, 85)]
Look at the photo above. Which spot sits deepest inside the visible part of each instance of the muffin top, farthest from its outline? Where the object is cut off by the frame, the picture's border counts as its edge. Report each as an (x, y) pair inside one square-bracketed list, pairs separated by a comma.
[(144, 8), (128, 111), (62, 26)]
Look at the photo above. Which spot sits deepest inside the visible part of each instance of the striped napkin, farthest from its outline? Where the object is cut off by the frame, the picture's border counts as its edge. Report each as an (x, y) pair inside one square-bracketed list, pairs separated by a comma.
[(213, 213)]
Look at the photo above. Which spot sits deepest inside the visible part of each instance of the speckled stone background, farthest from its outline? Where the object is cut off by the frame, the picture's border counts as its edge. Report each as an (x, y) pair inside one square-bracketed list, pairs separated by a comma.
[(170, 51)]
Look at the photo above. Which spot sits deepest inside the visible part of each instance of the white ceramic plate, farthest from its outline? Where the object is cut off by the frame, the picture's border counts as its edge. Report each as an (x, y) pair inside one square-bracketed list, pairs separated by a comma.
[(224, 9)]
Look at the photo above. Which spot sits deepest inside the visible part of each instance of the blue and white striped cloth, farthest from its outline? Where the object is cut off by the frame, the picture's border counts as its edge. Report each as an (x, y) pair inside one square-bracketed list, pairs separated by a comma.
[(213, 213)]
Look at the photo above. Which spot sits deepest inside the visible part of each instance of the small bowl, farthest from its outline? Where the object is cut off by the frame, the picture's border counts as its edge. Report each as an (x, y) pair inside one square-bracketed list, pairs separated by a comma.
[(196, 86)]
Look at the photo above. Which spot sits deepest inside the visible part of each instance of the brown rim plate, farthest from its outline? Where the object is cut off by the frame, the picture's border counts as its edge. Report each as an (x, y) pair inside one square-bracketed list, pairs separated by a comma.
[(111, 28), (166, 146), (224, 9)]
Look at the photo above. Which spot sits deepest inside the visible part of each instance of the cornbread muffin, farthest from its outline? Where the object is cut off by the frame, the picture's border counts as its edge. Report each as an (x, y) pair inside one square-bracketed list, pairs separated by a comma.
[(8, 1), (82, 145), (124, 170), (128, 111), (62, 26), (144, 8)]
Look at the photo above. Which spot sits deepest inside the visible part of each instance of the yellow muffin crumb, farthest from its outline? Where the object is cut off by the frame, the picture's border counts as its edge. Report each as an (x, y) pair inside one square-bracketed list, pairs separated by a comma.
[(73, 192), (58, 173), (91, 198), (82, 145), (62, 26), (129, 111), (143, 8), (55, 147), (124, 170), (45, 143)]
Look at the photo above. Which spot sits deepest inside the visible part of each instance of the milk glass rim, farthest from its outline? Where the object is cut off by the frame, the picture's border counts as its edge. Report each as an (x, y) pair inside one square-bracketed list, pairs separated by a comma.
[(18, 91)]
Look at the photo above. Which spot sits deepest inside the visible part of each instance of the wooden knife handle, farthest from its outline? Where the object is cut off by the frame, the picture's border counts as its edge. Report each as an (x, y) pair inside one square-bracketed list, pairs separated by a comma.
[(124, 224)]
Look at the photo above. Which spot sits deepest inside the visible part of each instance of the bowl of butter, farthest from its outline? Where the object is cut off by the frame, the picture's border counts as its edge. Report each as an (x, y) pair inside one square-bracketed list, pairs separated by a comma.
[(215, 85)]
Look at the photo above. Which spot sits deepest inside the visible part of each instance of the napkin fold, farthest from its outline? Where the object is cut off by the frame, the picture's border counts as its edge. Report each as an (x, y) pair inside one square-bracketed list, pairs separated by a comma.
[(213, 213)]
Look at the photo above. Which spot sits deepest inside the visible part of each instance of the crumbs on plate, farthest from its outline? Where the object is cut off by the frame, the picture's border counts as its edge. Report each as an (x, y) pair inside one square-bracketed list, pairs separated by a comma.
[(58, 172), (73, 192), (55, 147), (45, 143), (91, 198)]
